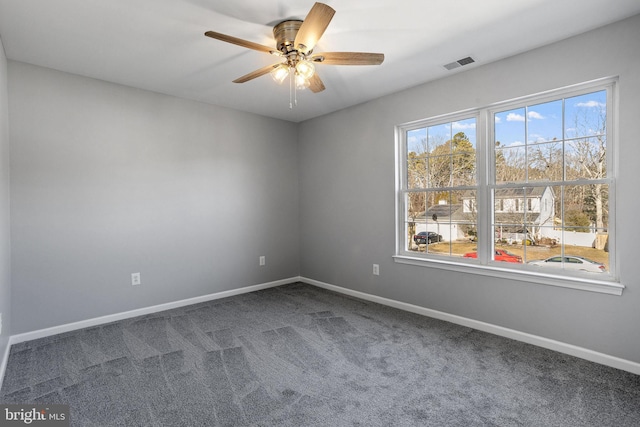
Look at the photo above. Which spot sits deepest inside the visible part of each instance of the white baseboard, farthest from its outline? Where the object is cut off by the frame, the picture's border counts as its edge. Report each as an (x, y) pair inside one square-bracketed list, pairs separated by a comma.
[(583, 353), (41, 333)]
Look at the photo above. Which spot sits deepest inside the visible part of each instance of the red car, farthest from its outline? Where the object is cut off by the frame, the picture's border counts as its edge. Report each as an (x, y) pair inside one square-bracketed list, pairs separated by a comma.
[(500, 255)]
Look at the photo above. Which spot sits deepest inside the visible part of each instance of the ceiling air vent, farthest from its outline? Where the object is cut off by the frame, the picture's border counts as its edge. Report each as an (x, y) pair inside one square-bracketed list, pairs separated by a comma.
[(459, 63)]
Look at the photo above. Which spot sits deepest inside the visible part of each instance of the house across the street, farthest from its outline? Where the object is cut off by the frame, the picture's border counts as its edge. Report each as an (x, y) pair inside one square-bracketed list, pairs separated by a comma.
[(520, 214)]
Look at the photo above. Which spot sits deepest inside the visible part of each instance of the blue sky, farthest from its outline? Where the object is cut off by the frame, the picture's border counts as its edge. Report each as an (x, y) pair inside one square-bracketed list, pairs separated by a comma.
[(544, 122), (536, 123), (440, 134)]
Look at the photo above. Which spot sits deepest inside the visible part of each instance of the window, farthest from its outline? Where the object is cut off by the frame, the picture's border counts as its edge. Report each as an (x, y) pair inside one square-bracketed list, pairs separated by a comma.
[(440, 184), (532, 178)]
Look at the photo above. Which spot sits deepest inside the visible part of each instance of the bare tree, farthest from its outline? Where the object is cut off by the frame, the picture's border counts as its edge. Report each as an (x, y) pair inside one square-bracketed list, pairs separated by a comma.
[(510, 163), (545, 161), (586, 158)]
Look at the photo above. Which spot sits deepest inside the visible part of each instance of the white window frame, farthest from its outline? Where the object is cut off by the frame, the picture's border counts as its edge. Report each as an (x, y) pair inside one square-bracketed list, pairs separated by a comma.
[(401, 132), (609, 283)]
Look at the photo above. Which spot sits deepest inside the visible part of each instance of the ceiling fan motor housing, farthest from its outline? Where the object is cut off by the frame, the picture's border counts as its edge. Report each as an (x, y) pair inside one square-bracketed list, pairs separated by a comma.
[(285, 35)]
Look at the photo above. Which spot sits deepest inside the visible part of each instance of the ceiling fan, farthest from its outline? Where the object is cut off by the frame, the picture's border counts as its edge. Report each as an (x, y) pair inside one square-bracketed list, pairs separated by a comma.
[(295, 41)]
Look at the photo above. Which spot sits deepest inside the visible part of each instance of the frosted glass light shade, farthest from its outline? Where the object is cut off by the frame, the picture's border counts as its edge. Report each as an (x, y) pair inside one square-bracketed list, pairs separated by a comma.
[(280, 73), (301, 82), (305, 69)]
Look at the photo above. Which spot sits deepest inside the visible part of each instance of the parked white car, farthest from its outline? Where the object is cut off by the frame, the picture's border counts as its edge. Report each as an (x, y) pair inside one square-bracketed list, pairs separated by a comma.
[(571, 262)]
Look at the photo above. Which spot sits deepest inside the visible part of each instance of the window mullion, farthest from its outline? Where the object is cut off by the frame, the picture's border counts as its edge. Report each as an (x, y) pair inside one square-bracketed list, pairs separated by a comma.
[(484, 178)]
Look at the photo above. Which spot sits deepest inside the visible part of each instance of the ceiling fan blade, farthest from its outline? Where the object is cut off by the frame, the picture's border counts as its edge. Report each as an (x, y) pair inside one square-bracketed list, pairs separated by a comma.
[(315, 84), (257, 73), (348, 58), (313, 27), (241, 42)]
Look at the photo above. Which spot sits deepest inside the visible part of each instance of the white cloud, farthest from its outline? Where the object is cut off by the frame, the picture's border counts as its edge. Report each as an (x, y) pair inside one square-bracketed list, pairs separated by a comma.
[(589, 104), (534, 137), (515, 144), (498, 119), (535, 115), (513, 117), (462, 126)]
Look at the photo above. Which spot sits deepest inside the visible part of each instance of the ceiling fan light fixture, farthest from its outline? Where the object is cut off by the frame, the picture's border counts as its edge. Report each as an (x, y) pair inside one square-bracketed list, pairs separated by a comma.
[(280, 73), (302, 82), (305, 69)]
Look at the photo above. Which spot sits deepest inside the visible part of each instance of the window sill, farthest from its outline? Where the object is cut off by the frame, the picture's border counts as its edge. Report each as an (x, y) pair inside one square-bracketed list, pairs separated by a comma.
[(522, 275)]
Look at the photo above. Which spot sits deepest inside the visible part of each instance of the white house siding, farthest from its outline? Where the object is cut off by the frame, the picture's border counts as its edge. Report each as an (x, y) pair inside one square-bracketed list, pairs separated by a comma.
[(448, 231), (572, 238)]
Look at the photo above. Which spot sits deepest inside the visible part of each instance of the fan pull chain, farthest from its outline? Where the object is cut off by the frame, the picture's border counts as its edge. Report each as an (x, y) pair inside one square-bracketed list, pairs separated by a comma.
[(291, 88)]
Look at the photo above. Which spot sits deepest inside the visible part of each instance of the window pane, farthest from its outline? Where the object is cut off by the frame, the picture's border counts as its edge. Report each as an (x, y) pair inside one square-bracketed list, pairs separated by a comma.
[(438, 136), (586, 158), (469, 204), (509, 221), (440, 171), (510, 165), (586, 115), (416, 173), (539, 207), (417, 142), (429, 224), (544, 122), (520, 215), (452, 222), (586, 207), (465, 130), (510, 128), (464, 169), (466, 220), (579, 229), (416, 158), (545, 161), (464, 153), (439, 221), (415, 206)]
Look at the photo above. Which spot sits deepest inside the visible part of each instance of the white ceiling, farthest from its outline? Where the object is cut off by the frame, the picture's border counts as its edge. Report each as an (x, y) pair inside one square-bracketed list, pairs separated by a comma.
[(160, 45)]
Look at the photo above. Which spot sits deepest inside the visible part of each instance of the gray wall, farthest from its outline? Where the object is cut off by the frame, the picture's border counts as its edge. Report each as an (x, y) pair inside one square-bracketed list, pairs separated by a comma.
[(347, 197), (109, 180), (5, 252)]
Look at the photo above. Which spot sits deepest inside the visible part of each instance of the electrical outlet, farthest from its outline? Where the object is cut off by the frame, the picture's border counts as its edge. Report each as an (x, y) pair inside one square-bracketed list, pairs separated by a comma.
[(376, 270), (135, 279), (263, 260)]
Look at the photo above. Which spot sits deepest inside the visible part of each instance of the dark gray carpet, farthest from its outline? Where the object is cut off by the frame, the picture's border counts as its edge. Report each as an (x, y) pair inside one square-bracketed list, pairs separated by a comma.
[(297, 355)]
